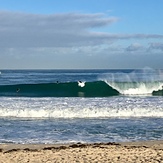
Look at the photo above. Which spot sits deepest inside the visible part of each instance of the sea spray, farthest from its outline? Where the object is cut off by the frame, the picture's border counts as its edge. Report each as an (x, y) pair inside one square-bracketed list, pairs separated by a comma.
[(138, 82), (136, 88)]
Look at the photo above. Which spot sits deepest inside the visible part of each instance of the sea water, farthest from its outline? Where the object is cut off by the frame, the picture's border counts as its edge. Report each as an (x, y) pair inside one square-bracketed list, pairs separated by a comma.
[(49, 106)]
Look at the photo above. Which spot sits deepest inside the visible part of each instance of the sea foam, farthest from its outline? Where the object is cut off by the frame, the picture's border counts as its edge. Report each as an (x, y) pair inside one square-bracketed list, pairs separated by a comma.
[(121, 107)]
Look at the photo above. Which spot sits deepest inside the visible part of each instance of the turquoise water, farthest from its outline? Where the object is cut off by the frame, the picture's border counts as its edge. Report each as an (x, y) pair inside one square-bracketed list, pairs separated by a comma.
[(50, 106)]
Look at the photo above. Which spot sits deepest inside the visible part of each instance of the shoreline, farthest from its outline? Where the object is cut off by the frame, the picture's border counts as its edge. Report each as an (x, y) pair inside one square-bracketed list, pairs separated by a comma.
[(140, 151), (155, 144)]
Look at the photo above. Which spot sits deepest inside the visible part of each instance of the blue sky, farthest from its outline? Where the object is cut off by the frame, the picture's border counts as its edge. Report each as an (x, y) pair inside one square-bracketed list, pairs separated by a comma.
[(52, 34)]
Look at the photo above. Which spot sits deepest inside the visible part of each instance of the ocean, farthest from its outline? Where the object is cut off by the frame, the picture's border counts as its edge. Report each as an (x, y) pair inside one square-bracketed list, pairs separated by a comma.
[(87, 106)]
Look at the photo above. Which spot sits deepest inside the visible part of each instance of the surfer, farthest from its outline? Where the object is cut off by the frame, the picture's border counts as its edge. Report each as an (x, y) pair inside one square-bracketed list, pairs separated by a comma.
[(81, 84), (17, 90)]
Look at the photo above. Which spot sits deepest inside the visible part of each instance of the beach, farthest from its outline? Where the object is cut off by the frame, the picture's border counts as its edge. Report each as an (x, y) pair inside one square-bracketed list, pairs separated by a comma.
[(147, 151)]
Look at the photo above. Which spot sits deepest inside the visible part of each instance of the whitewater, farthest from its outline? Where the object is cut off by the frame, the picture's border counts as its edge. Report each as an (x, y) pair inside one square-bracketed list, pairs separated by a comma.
[(52, 106)]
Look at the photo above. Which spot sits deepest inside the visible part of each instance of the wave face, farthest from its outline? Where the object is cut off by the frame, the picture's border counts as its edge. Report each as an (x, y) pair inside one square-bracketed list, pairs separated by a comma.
[(67, 89)]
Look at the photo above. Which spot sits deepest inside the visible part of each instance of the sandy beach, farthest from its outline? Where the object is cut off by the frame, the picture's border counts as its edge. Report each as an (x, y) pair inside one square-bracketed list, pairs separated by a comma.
[(138, 152)]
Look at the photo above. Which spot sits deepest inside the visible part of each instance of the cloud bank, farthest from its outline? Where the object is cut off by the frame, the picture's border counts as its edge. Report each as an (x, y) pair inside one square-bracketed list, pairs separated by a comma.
[(67, 35), (58, 30)]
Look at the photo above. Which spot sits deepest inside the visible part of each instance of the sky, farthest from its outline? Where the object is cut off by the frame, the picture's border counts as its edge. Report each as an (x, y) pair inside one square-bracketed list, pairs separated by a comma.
[(81, 34)]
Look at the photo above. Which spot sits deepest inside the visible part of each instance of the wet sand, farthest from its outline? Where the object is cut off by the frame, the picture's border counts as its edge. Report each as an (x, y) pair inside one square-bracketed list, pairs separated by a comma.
[(128, 152)]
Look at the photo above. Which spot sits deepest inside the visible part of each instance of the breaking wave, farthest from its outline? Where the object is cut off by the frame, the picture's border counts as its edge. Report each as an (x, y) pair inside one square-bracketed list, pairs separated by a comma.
[(89, 89), (138, 82)]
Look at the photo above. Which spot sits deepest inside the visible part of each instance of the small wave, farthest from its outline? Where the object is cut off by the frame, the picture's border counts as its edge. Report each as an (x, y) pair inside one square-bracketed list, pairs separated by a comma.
[(158, 93)]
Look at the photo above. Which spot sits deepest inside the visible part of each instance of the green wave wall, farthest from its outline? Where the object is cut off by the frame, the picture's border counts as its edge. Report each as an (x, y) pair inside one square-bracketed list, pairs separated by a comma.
[(68, 89)]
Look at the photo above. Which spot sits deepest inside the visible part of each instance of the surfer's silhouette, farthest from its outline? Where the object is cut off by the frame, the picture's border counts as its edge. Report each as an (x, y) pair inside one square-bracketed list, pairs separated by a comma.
[(17, 90)]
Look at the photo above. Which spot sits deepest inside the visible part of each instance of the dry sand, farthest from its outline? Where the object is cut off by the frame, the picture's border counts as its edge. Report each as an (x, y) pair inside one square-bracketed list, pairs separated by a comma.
[(138, 152)]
